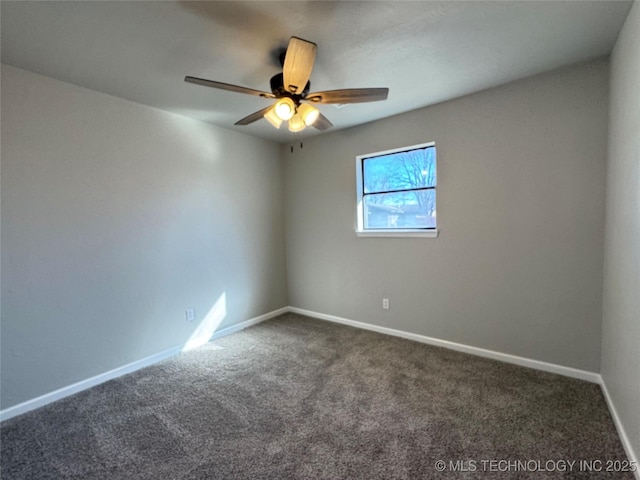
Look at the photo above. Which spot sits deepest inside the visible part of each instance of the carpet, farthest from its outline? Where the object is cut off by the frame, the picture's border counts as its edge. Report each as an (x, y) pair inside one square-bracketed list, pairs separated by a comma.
[(299, 398)]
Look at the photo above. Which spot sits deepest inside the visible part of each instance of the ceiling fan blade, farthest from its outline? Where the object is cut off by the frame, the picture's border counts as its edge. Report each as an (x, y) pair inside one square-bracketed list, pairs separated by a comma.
[(228, 86), (254, 116), (349, 95), (322, 123), (298, 63)]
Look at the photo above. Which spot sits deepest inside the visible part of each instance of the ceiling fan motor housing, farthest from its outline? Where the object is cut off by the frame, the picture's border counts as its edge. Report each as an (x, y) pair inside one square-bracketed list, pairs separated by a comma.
[(277, 87)]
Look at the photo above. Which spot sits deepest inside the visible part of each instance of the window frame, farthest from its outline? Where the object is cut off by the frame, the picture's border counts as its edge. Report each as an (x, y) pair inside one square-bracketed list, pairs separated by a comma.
[(388, 232)]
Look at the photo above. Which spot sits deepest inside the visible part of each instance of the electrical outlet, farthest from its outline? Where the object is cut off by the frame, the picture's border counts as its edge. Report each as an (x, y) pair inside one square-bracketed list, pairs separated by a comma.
[(190, 314), (385, 303)]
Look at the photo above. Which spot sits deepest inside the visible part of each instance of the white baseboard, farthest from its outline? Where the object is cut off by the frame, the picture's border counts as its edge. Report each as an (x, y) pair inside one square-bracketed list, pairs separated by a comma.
[(63, 392), (631, 455), (51, 397), (253, 321), (592, 377)]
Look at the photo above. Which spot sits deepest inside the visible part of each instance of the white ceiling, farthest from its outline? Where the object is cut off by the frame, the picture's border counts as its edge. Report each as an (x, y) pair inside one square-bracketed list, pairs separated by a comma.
[(425, 52)]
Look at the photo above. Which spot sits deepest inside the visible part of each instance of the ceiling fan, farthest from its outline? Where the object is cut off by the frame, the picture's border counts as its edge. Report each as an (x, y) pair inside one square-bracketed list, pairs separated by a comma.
[(291, 91)]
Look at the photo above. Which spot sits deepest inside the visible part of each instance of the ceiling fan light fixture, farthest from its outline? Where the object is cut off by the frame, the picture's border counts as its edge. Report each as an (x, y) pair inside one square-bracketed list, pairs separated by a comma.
[(308, 113), (273, 118), (291, 87), (296, 123), (285, 108)]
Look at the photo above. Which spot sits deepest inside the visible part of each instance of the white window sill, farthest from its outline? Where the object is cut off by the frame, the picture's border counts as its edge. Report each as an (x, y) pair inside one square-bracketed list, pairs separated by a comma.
[(398, 233)]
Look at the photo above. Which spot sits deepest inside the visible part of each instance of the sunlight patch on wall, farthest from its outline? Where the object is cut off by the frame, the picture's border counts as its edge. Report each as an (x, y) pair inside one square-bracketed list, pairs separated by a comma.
[(212, 320)]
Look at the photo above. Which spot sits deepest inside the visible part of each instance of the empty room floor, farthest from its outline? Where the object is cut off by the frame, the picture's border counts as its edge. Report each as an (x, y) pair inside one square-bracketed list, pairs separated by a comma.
[(296, 397)]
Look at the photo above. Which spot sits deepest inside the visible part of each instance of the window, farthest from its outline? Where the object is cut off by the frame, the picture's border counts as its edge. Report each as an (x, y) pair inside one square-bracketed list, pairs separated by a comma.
[(397, 192)]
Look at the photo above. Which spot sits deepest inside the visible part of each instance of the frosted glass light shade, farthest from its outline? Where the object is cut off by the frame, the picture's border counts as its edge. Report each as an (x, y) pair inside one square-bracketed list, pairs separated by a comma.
[(296, 124), (309, 114), (285, 108), (273, 118)]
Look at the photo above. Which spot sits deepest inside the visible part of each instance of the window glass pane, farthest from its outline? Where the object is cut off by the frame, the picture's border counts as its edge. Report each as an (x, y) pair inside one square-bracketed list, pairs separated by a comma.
[(415, 209), (400, 171)]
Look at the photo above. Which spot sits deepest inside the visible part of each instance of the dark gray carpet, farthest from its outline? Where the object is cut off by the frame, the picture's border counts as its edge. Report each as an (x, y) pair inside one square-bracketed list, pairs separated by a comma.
[(301, 398)]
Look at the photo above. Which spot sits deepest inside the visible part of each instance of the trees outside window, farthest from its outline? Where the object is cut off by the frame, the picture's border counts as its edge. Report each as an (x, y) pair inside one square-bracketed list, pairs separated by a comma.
[(398, 189)]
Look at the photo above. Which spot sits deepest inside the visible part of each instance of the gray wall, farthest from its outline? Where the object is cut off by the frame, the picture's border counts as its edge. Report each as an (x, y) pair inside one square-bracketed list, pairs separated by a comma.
[(517, 267), (621, 323), (116, 218)]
